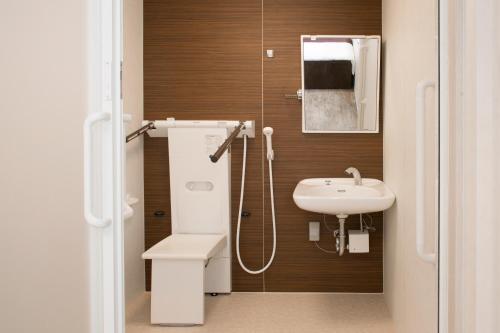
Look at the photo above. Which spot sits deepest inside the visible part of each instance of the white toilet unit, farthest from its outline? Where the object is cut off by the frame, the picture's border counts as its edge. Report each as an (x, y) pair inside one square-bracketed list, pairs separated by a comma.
[(196, 258)]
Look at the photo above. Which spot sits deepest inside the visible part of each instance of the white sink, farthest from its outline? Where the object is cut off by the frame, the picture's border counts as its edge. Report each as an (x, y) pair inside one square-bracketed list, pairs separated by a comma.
[(340, 196)]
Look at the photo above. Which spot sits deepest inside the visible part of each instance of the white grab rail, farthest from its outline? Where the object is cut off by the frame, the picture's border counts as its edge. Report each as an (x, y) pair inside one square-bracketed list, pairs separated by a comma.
[(420, 174), (90, 121), (161, 126)]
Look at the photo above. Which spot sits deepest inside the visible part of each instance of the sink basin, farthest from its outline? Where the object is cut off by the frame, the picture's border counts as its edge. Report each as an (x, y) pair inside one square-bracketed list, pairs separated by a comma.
[(340, 196)]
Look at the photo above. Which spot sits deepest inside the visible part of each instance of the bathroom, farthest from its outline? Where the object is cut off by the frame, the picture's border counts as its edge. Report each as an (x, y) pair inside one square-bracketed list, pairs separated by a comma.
[(250, 166)]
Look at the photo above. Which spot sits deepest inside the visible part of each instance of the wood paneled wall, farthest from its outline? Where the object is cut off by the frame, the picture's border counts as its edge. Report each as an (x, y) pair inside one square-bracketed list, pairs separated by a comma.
[(205, 60)]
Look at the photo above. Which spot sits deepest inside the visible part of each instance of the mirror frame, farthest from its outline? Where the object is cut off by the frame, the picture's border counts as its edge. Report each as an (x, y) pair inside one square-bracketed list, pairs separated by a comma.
[(302, 38)]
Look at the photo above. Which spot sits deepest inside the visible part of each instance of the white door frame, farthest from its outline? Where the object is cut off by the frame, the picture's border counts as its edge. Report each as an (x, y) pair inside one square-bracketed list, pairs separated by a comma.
[(104, 165), (474, 119), (444, 157)]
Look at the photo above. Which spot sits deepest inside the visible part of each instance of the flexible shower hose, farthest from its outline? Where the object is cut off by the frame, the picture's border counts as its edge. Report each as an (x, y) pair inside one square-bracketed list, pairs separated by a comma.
[(241, 207)]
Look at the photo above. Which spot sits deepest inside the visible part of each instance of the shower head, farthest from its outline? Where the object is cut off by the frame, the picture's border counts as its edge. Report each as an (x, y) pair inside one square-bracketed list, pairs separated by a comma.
[(268, 132)]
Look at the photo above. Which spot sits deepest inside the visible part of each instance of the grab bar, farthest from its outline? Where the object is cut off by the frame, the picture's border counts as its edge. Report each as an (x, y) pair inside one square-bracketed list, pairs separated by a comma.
[(429, 257), (223, 147), (140, 131), (90, 121)]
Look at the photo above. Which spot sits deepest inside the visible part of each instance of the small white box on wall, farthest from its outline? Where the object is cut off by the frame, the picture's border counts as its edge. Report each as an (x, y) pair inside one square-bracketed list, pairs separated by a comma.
[(314, 231), (359, 241)]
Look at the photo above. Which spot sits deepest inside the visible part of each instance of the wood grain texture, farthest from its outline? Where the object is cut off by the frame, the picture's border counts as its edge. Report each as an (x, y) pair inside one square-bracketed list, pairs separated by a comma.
[(203, 60), (299, 265)]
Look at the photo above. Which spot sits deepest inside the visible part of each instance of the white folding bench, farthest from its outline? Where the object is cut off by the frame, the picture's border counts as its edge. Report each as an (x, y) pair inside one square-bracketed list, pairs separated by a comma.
[(196, 258), (178, 277)]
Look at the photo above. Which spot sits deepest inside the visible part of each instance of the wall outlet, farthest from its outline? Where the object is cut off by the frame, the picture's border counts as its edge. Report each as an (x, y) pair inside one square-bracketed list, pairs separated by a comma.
[(314, 231)]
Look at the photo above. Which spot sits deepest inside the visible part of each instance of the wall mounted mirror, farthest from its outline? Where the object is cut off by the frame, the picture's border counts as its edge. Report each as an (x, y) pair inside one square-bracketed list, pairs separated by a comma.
[(340, 84)]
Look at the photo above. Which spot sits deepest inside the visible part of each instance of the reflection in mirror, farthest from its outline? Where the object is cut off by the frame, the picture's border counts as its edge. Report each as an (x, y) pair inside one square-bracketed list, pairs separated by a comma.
[(340, 79)]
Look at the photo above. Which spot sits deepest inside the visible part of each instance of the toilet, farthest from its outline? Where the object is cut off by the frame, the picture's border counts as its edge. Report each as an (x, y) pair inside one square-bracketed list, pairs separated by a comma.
[(196, 258)]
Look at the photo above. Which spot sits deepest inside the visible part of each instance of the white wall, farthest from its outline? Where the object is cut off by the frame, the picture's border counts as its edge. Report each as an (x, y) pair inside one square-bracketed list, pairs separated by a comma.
[(409, 55), (133, 105), (43, 236)]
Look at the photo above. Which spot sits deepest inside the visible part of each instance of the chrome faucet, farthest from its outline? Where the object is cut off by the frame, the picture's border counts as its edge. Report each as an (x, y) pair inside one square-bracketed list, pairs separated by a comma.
[(355, 173)]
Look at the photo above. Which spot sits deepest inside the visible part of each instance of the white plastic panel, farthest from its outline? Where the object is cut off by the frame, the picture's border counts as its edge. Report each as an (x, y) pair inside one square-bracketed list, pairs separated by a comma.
[(177, 296), (199, 188)]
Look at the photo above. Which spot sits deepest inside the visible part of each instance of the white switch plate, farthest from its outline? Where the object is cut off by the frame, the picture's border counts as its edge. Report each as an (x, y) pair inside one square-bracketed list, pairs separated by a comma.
[(314, 231)]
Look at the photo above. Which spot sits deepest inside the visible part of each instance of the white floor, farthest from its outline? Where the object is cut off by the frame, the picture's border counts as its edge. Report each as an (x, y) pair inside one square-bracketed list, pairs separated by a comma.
[(278, 312)]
